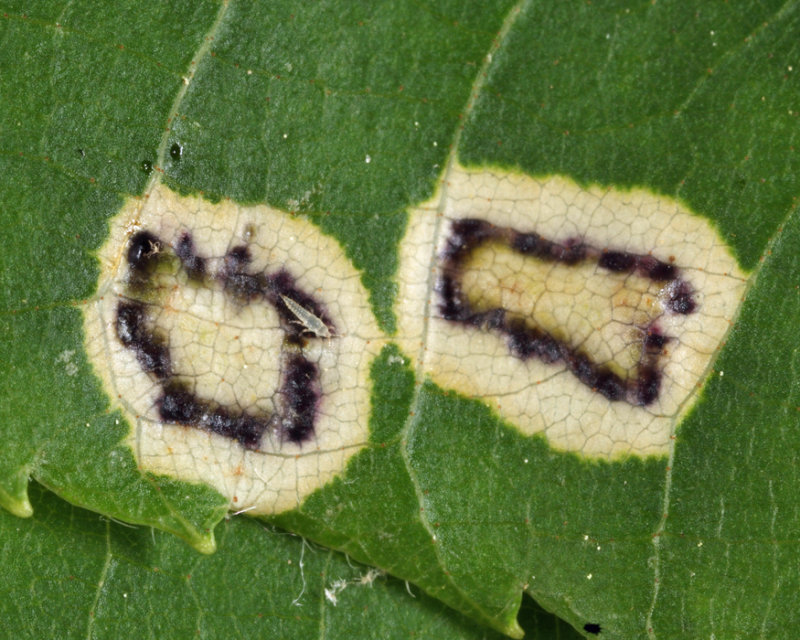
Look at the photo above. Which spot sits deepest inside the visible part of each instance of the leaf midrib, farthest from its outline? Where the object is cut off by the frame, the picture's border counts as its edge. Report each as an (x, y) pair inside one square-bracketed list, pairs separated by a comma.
[(187, 79), (452, 160)]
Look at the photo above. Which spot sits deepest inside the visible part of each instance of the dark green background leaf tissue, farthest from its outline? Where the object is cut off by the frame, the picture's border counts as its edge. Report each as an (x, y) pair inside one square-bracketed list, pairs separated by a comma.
[(69, 573), (285, 103)]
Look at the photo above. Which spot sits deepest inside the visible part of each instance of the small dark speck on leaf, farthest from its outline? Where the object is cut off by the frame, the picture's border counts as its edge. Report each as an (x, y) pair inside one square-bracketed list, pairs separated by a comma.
[(176, 151), (80, 152), (147, 166), (682, 304), (592, 627)]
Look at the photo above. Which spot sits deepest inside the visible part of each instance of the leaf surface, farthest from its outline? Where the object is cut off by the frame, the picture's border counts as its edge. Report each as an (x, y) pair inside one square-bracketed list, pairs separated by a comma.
[(70, 573), (352, 115)]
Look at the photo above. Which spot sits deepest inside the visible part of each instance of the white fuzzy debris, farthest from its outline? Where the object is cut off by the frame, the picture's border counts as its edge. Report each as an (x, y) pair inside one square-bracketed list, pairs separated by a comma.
[(296, 602), (331, 594), (369, 577)]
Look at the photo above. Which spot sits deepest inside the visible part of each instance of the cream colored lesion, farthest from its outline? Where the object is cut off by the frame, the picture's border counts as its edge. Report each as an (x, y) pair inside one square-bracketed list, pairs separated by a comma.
[(591, 309), (230, 353), (583, 306)]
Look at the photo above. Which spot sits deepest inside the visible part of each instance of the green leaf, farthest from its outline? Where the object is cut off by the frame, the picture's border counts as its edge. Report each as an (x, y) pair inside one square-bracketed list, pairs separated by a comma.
[(69, 573), (351, 114)]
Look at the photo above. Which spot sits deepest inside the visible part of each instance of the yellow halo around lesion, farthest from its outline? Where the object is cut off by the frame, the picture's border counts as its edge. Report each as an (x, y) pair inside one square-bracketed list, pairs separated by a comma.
[(595, 312), (229, 353)]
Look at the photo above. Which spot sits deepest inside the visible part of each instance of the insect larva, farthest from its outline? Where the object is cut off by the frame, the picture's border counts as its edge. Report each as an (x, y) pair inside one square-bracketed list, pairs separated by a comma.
[(311, 322)]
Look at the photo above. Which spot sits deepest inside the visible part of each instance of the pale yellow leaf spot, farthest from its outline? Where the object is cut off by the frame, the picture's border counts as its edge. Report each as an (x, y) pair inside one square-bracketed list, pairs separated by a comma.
[(604, 316), (232, 353)]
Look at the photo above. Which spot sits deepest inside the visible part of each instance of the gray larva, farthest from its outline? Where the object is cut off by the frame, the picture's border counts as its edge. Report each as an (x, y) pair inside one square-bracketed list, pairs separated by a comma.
[(307, 319)]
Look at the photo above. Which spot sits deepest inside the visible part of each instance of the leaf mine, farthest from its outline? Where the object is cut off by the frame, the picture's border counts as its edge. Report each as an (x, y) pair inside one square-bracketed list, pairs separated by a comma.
[(237, 341), (588, 315)]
